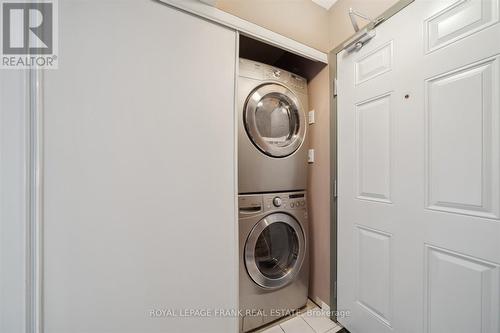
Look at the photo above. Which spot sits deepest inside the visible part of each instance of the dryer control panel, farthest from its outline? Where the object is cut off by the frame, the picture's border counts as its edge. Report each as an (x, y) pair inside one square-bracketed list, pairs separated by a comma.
[(256, 70)]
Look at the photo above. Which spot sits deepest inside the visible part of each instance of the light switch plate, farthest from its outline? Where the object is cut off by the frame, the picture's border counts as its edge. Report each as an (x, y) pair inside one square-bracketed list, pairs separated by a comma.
[(310, 156), (311, 116)]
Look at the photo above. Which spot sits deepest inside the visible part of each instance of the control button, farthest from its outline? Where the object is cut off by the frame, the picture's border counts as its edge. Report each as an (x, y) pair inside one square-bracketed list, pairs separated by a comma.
[(292, 205), (277, 201), (302, 203)]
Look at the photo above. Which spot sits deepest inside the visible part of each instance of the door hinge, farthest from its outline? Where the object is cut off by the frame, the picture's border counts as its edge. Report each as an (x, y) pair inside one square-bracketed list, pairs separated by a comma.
[(335, 290), (335, 87), (335, 188)]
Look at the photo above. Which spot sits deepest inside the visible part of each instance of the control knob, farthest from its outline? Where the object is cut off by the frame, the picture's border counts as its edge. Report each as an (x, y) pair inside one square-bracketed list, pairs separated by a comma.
[(277, 201)]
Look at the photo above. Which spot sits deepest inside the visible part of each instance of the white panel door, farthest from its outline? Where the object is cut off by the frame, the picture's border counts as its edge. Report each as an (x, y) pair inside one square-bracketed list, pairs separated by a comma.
[(419, 172), (139, 171)]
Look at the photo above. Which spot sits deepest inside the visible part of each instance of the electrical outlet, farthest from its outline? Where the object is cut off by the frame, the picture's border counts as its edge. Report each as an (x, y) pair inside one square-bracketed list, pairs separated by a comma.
[(312, 119), (310, 156)]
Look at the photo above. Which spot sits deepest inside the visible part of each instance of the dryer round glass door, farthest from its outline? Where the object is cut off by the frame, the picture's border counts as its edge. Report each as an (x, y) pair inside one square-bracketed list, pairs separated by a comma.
[(274, 120), (275, 251)]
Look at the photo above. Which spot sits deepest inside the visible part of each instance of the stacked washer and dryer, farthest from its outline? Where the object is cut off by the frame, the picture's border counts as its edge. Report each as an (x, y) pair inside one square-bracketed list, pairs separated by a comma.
[(273, 226)]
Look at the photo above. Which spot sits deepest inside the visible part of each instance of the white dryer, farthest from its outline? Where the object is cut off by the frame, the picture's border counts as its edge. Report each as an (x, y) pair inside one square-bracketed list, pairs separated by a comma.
[(272, 148)]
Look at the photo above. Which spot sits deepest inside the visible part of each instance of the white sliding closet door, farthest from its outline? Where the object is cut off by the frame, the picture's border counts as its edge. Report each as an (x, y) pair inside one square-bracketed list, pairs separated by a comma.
[(14, 124), (419, 189), (138, 171)]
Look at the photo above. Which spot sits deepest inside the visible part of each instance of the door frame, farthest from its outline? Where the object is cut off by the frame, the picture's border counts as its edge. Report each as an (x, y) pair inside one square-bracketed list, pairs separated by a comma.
[(332, 62), (28, 186)]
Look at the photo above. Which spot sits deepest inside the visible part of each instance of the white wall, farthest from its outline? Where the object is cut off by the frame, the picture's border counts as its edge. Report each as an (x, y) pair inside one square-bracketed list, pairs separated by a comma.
[(139, 170), (301, 20)]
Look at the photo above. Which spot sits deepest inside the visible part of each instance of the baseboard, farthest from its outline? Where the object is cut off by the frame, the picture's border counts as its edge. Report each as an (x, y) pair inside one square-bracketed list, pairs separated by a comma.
[(319, 302)]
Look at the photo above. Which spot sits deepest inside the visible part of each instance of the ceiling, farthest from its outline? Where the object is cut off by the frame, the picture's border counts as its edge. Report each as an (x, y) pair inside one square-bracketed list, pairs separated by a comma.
[(325, 3)]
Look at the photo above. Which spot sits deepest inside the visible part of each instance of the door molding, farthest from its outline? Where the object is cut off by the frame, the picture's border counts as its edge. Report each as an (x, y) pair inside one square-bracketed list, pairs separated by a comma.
[(34, 230), (21, 306)]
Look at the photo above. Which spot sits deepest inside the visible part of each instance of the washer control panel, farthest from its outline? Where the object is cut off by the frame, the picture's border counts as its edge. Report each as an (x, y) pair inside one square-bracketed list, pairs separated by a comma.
[(251, 204), (295, 200)]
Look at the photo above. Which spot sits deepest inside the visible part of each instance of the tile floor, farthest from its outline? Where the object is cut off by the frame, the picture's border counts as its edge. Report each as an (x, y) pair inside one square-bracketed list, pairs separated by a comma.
[(309, 320)]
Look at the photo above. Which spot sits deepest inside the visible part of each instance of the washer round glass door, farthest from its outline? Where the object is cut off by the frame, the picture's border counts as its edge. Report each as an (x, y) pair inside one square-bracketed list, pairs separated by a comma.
[(274, 120), (274, 251)]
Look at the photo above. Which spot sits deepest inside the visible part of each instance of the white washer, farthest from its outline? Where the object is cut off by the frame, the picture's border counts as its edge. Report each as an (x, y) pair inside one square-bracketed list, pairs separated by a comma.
[(272, 147), (273, 252)]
